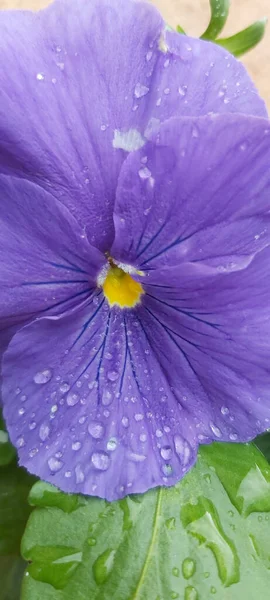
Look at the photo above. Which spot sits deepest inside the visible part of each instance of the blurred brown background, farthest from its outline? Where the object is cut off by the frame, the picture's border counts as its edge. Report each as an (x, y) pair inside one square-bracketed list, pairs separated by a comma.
[(193, 15)]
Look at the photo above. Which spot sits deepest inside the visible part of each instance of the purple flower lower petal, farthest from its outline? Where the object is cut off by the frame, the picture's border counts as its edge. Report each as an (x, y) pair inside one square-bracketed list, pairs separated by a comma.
[(199, 193), (107, 402), (102, 74), (90, 408), (47, 264)]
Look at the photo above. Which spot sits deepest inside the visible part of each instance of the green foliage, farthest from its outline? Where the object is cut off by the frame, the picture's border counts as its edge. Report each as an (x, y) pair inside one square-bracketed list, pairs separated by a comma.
[(263, 443), (245, 40), (219, 14), (208, 537), (15, 484), (238, 44)]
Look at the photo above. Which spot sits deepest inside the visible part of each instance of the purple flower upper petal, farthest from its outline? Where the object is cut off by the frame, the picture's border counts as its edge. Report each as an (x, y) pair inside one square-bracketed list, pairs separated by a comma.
[(199, 193), (93, 79)]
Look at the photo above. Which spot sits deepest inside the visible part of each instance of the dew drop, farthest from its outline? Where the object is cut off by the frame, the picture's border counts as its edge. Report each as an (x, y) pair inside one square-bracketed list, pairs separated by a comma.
[(167, 470), (149, 55), (44, 432), (40, 76), (79, 474), (159, 433), (96, 430), (43, 376), (135, 457), (167, 91), (182, 91), (233, 437), (101, 461), (64, 387), (91, 541), (182, 448), (21, 411), (191, 593), (72, 399), (170, 523), (55, 464), (143, 437), (216, 431), (20, 442), (76, 446), (60, 66), (144, 173), (125, 422), (166, 452), (107, 398), (224, 410), (32, 425), (103, 566), (33, 452), (138, 417), (175, 571), (188, 568), (113, 375), (140, 90), (112, 444)]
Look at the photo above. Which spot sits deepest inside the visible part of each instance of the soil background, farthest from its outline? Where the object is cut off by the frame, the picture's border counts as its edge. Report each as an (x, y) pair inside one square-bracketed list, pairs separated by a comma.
[(193, 15)]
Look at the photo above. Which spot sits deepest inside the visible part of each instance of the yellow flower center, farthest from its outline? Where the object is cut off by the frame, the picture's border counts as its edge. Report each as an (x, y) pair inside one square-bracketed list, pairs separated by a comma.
[(120, 289)]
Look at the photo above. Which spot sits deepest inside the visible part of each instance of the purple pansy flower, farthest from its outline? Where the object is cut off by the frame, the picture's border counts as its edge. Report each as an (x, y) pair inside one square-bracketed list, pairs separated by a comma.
[(134, 236)]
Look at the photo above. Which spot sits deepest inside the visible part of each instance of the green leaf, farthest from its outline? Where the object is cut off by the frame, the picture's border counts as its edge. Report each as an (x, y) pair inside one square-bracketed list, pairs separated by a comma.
[(263, 443), (180, 29), (7, 451), (245, 40), (219, 14), (208, 537), (15, 484)]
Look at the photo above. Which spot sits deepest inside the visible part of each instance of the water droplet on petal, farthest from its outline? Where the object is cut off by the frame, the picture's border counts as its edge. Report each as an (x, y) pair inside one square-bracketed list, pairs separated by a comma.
[(140, 90), (166, 452), (55, 464), (138, 417), (125, 422), (64, 387), (20, 442), (44, 432), (107, 398), (112, 444), (135, 457), (113, 375), (144, 173), (79, 474), (182, 448), (101, 461), (167, 470), (72, 399), (224, 410), (43, 376), (76, 446), (96, 430), (216, 431), (40, 76)]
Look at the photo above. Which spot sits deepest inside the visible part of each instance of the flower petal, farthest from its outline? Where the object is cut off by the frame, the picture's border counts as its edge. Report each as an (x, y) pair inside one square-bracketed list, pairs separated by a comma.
[(199, 193), (219, 327), (47, 264), (95, 77), (89, 407)]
